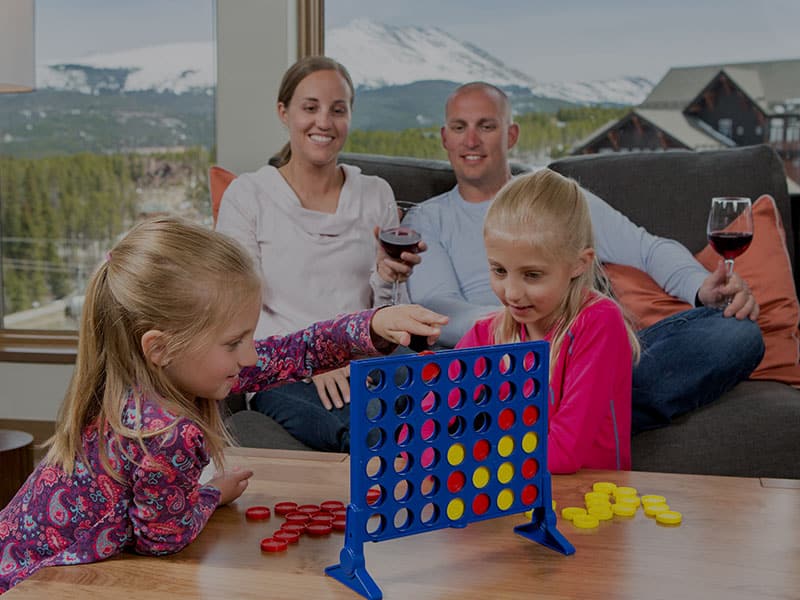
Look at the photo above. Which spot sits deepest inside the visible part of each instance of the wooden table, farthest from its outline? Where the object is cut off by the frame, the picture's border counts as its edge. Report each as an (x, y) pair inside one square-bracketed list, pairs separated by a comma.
[(740, 538)]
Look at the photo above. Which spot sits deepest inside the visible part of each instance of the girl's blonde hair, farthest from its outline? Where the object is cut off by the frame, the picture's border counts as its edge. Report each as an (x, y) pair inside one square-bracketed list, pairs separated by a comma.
[(550, 212), (166, 274)]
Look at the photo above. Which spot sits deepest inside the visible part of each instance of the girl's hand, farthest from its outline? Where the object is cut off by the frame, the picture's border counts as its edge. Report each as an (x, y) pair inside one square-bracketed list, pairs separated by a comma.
[(231, 483), (397, 323), (390, 269), (333, 387)]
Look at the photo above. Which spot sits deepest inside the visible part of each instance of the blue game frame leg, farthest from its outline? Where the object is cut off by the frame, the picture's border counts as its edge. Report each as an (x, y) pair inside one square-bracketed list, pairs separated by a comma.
[(352, 570), (542, 529)]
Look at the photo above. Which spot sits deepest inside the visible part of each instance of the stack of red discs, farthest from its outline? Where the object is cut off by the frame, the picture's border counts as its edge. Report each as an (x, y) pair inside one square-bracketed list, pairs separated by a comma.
[(314, 520)]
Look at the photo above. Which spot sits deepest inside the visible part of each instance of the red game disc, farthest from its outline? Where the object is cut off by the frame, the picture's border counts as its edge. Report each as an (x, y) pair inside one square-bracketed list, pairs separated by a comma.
[(257, 513), (308, 508), (373, 495), (339, 512), (323, 517), (339, 524), (282, 508), (298, 517), (298, 528), (319, 528), (272, 545), (331, 505), (289, 537)]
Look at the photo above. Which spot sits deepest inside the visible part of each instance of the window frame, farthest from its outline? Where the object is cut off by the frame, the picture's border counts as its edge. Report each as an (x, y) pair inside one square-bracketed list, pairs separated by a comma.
[(61, 347)]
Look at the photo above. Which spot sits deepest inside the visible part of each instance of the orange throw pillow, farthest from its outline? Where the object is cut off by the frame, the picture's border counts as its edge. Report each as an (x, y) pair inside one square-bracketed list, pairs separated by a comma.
[(765, 266), (218, 181)]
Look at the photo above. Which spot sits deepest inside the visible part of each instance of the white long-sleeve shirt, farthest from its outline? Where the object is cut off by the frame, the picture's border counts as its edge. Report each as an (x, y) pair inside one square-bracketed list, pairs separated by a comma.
[(314, 265)]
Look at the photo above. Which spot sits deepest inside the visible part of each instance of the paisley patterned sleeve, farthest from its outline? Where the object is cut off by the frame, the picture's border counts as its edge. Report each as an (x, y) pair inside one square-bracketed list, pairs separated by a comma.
[(320, 347), (170, 507)]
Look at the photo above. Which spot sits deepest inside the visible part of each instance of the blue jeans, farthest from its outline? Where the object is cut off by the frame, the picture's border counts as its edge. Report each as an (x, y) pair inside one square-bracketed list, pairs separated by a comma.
[(298, 409), (688, 360)]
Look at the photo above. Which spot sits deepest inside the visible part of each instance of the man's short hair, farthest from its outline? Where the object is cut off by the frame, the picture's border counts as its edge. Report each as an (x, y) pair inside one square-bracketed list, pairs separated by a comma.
[(484, 86)]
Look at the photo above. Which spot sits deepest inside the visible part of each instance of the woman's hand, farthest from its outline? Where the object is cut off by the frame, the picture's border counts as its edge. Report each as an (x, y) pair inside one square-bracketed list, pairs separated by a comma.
[(333, 387), (390, 269), (398, 323), (231, 484)]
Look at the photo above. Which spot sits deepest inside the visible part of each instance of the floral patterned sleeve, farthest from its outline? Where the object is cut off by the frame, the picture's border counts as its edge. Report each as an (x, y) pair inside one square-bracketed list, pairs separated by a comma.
[(170, 507), (320, 347)]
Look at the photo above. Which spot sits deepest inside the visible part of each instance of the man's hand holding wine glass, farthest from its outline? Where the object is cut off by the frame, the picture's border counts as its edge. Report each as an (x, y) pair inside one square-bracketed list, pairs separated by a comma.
[(718, 288)]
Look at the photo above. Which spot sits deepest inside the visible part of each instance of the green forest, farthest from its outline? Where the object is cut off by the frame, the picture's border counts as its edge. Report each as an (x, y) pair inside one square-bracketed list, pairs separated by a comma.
[(60, 214)]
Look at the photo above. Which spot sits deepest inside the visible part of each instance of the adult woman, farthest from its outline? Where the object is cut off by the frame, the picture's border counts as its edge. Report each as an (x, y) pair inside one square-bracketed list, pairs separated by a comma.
[(310, 224)]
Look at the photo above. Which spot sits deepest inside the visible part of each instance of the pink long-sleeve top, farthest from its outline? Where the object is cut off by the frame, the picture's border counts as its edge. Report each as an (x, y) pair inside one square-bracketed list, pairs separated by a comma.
[(589, 407), (159, 507)]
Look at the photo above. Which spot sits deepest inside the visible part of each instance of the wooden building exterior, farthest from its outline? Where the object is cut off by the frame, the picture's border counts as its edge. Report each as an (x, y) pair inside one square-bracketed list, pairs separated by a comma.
[(713, 106)]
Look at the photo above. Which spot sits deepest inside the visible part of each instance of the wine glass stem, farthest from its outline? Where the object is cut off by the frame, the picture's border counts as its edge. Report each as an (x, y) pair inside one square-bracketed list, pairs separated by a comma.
[(394, 291), (729, 265)]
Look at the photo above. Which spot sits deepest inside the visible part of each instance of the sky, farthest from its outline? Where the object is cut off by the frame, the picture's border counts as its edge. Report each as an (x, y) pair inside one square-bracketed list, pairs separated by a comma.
[(550, 41)]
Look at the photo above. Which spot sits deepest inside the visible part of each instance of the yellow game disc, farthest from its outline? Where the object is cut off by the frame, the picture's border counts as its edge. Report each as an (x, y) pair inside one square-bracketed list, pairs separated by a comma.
[(624, 510), (669, 517), (505, 499), (480, 477), (455, 509), (529, 442), (651, 510), (554, 504), (601, 512), (455, 454), (591, 496), (505, 472), (585, 521), (653, 499), (604, 486), (505, 446), (625, 491), (633, 501), (600, 503), (528, 514), (570, 512)]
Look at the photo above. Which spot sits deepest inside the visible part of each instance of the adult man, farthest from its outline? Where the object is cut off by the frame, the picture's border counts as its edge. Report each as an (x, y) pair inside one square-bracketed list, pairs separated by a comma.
[(685, 361)]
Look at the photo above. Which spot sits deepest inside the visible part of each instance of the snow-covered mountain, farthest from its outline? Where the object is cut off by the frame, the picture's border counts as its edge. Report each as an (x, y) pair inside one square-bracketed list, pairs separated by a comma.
[(376, 55)]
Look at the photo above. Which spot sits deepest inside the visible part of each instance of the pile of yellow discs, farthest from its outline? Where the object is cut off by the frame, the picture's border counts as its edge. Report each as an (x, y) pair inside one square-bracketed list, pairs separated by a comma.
[(626, 501)]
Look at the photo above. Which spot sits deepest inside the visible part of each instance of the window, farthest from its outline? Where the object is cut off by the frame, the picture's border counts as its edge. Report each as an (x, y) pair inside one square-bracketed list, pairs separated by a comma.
[(793, 130), (776, 130), (121, 125), (725, 127)]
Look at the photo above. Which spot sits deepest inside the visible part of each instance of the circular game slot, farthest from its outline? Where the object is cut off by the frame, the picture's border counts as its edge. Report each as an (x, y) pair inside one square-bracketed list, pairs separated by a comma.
[(505, 499), (506, 419), (429, 486), (530, 466), (481, 477), (529, 494), (376, 438), (481, 367), (429, 430), (375, 467), (375, 409), (375, 381), (403, 462), (530, 387), (403, 405), (429, 403), (456, 426), (375, 525), (429, 458), (481, 504), (403, 435), (456, 370), (505, 472), (429, 514), (481, 422), (481, 450), (530, 415), (403, 519), (402, 377), (506, 364), (481, 395), (403, 490), (456, 481), (505, 392), (455, 398), (376, 494), (530, 361)]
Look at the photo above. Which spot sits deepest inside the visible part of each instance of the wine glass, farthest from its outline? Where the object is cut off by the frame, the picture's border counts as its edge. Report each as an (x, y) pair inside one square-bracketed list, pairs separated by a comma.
[(396, 240), (730, 227)]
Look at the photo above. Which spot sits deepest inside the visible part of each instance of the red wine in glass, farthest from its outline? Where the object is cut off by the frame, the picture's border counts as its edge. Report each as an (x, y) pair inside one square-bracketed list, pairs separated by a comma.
[(730, 244)]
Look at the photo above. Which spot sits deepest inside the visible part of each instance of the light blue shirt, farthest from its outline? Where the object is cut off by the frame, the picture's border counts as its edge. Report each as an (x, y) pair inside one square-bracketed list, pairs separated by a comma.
[(453, 277)]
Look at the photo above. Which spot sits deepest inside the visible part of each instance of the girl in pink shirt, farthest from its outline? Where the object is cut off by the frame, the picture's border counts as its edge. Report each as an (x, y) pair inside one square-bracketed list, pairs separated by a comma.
[(543, 268)]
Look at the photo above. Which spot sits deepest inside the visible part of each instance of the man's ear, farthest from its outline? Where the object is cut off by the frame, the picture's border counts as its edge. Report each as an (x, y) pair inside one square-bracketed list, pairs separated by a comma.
[(585, 259), (443, 134), (513, 135), (154, 347)]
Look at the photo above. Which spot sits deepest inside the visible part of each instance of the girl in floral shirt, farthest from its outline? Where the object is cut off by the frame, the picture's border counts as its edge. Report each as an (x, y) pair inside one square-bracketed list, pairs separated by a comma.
[(166, 333)]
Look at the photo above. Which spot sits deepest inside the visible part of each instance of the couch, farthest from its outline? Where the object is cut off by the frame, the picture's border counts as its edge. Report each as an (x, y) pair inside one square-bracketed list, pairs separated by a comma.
[(750, 431)]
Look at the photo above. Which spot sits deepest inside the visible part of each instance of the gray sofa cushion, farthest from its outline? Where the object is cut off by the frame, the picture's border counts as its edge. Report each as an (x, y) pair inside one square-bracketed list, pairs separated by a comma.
[(750, 431)]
